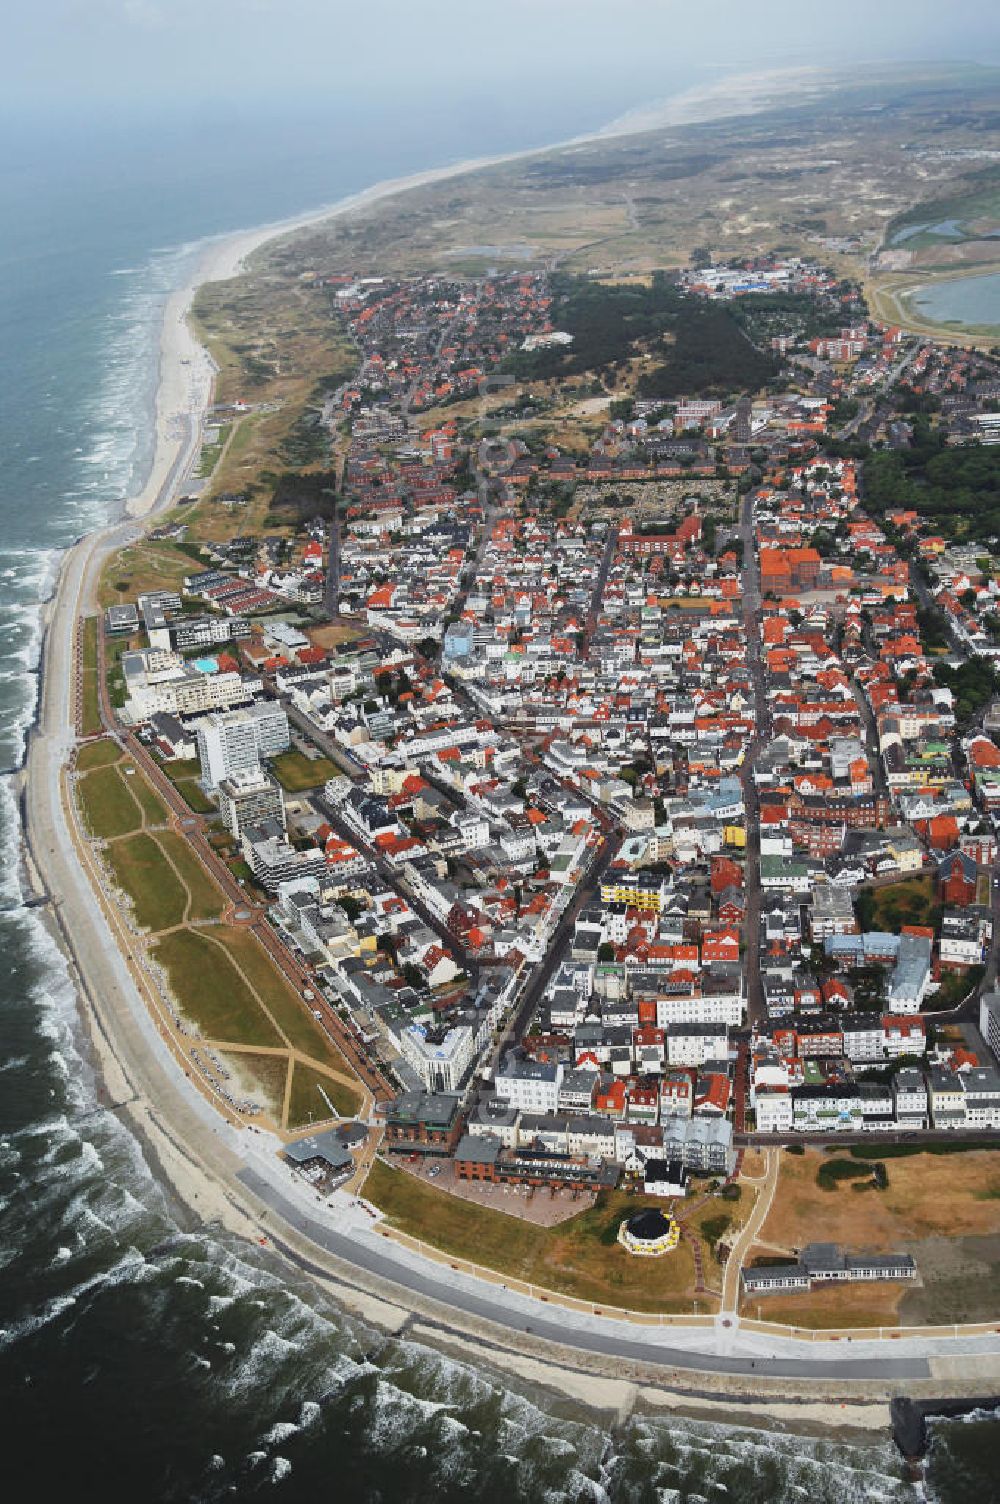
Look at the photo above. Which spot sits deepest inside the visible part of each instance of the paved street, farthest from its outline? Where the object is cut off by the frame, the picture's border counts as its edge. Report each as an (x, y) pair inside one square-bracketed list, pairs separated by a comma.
[(710, 1349), (751, 628)]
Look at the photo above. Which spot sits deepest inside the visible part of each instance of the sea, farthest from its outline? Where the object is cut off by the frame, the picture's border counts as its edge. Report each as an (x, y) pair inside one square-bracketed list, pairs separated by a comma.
[(144, 1357)]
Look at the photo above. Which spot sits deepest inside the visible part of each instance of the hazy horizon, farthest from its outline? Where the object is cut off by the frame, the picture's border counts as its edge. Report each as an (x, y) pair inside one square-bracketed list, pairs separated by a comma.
[(268, 56)]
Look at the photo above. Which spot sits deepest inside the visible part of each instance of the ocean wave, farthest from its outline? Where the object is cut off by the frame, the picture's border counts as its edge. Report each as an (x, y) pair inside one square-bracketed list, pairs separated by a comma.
[(118, 1272)]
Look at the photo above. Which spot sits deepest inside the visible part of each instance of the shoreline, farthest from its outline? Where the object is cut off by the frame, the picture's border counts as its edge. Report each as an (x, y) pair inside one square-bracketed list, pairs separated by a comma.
[(892, 303), (202, 1161)]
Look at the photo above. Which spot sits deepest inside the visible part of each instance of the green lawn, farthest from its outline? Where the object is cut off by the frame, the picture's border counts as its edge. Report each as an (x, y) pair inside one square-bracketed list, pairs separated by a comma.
[(212, 453), (142, 871), (207, 901), (184, 775), (306, 1105), (210, 992), (153, 807), (908, 902), (90, 714), (580, 1257), (108, 806), (296, 773), (291, 1013), (114, 648), (214, 995), (97, 755)]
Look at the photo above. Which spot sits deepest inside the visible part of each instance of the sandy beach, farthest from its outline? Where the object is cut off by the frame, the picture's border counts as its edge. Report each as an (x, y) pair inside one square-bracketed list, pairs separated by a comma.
[(232, 1176)]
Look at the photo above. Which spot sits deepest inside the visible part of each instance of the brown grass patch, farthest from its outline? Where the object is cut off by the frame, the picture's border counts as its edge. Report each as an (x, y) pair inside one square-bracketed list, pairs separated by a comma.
[(953, 1195), (834, 1306)]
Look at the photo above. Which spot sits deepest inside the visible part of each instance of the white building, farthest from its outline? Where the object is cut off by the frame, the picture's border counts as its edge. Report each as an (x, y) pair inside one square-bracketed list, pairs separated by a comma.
[(236, 742), (864, 1037), (473, 829), (694, 1043), (695, 1007), (442, 1064), (529, 1085), (158, 682), (909, 1090), (774, 1109)]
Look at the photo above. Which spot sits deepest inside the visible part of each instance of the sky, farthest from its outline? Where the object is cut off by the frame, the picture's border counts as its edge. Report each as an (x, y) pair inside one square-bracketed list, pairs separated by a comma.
[(266, 55), (118, 51)]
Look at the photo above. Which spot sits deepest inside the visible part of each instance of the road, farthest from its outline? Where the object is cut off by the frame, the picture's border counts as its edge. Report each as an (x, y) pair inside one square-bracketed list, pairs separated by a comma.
[(597, 599), (331, 590), (518, 1022), (751, 611), (879, 781), (521, 1315), (748, 1232)]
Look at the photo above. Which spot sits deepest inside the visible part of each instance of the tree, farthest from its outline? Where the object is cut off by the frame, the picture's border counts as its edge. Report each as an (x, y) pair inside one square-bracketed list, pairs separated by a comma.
[(413, 976), (606, 953), (865, 908)]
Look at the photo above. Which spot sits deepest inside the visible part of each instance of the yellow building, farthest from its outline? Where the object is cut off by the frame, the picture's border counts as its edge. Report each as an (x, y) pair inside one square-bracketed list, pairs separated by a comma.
[(649, 1234)]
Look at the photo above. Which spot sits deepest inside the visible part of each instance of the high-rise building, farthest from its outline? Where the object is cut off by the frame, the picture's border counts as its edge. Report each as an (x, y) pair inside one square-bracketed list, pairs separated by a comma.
[(236, 741), (250, 798)]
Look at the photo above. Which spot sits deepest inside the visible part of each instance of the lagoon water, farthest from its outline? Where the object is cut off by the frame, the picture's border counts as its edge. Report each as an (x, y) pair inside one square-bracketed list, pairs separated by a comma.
[(143, 1358), (966, 302)]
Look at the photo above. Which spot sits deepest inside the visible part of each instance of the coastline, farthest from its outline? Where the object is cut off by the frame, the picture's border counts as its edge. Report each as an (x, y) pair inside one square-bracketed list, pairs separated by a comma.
[(202, 1160)]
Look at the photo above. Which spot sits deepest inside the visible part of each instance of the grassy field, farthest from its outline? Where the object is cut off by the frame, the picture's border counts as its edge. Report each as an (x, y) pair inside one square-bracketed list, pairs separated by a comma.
[(928, 1195), (152, 805), (265, 1015), (108, 807), (142, 871), (90, 711), (580, 1257), (331, 635), (305, 1104), (296, 773), (907, 902), (207, 901), (184, 774), (211, 992), (143, 566), (289, 1011), (835, 1306), (97, 755)]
